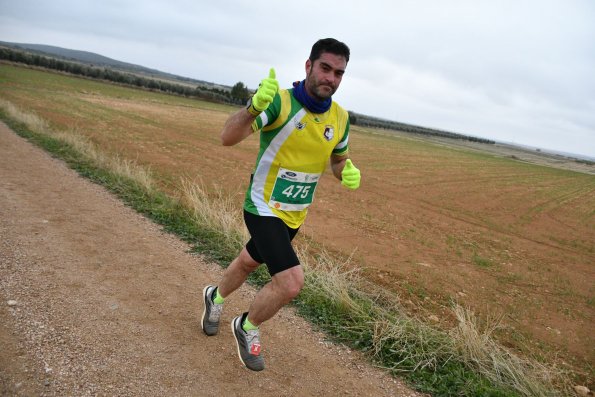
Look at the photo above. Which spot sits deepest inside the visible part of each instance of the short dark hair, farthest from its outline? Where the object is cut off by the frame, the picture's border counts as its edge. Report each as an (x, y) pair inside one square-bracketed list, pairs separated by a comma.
[(329, 45)]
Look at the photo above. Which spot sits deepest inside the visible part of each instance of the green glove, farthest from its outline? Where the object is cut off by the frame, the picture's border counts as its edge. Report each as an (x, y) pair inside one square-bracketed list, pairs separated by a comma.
[(264, 95), (350, 176)]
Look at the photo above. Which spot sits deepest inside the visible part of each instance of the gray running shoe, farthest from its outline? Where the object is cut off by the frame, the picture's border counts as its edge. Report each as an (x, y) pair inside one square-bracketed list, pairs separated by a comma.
[(248, 344), (211, 313)]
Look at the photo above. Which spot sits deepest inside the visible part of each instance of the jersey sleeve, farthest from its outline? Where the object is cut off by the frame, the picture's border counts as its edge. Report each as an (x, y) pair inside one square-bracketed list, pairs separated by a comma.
[(342, 147)]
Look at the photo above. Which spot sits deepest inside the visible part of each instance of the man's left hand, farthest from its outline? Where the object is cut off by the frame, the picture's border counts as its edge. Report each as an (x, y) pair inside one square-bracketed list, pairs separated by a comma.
[(350, 176)]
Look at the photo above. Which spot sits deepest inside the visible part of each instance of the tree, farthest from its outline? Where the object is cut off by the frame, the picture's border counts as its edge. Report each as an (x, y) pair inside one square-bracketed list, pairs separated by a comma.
[(239, 93)]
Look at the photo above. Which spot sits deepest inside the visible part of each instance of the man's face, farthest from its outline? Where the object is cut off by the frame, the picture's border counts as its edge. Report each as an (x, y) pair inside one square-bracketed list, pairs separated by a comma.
[(324, 75)]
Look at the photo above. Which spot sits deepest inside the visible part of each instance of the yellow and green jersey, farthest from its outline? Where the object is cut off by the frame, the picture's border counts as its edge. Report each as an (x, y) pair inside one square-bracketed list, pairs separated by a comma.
[(295, 147)]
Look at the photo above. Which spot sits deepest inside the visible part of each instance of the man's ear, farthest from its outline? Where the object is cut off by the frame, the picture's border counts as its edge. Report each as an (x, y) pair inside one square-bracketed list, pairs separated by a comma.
[(308, 66)]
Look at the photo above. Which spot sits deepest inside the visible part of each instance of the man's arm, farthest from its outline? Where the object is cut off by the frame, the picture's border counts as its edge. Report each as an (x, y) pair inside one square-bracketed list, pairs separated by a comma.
[(337, 165), (237, 127), (345, 171)]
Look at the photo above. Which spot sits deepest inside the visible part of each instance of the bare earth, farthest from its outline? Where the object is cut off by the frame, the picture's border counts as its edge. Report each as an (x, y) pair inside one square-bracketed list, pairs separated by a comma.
[(108, 304)]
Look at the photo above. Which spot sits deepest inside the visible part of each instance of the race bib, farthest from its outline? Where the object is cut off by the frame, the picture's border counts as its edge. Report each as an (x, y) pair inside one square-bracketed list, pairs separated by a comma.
[(293, 191)]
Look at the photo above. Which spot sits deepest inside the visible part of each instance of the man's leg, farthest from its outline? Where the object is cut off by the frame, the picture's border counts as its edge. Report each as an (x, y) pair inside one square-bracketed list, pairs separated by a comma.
[(236, 273), (270, 243), (233, 277), (283, 287)]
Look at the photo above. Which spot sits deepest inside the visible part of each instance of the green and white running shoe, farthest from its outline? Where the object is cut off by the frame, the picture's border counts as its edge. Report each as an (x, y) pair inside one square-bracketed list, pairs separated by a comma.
[(248, 343), (211, 313)]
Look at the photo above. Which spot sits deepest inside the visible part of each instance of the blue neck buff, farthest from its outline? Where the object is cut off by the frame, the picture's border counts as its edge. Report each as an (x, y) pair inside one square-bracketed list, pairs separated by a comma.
[(313, 105)]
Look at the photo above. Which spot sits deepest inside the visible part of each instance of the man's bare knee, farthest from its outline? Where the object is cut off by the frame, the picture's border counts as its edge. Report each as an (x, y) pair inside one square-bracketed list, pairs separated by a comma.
[(246, 261), (290, 282)]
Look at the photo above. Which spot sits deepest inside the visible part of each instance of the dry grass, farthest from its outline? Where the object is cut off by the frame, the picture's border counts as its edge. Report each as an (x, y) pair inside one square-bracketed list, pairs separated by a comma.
[(125, 168), (32, 121), (480, 350), (416, 344), (215, 211)]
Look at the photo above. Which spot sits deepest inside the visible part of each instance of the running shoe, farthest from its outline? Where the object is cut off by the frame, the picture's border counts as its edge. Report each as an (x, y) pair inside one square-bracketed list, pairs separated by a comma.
[(248, 343), (211, 313)]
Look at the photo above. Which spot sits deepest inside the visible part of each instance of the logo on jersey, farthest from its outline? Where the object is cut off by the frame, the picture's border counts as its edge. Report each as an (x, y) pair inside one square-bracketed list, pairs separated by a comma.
[(299, 125), (329, 132)]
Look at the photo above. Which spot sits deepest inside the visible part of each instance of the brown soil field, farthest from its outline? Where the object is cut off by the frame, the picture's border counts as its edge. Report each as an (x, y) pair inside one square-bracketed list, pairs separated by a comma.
[(434, 221)]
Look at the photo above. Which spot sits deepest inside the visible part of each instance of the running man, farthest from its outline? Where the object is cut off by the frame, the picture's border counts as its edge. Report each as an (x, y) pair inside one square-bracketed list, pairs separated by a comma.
[(301, 129)]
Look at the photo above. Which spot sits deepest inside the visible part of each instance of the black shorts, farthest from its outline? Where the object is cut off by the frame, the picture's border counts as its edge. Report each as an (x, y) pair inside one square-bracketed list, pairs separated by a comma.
[(270, 242)]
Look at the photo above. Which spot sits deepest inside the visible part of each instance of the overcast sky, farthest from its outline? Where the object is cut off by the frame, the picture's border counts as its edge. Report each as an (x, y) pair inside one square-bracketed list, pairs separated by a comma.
[(511, 70)]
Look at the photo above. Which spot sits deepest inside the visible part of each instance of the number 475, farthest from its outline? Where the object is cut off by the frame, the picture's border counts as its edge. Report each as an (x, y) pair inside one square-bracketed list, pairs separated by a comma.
[(301, 191)]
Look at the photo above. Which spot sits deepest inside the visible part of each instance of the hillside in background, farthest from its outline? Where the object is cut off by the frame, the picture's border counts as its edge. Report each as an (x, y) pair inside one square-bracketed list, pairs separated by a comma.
[(81, 56), (93, 59)]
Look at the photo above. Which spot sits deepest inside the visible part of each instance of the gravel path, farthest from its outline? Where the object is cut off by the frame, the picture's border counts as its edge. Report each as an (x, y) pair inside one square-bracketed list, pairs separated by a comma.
[(95, 300)]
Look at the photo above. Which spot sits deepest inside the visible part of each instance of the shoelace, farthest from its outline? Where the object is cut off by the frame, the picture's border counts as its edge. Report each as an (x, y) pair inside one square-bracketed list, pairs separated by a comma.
[(216, 310)]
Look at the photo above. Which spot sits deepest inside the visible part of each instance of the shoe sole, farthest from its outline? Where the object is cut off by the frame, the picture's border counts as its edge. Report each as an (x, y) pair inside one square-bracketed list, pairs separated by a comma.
[(235, 338), (204, 311)]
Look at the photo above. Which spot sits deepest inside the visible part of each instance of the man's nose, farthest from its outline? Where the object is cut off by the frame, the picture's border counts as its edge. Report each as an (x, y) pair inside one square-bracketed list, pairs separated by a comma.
[(330, 77)]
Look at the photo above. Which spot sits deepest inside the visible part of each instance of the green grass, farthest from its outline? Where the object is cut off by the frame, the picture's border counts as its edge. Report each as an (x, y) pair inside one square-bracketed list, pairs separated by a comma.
[(481, 261), (336, 300)]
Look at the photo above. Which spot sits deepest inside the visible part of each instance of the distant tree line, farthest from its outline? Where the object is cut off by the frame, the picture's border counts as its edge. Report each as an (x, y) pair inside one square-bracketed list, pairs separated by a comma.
[(368, 121), (238, 94)]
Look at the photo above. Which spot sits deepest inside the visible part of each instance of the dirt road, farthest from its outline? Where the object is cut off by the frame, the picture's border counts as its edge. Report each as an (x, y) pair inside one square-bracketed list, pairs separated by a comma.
[(96, 300)]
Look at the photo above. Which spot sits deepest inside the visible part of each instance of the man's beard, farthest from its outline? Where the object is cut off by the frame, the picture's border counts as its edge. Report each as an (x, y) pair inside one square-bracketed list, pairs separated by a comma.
[(314, 89)]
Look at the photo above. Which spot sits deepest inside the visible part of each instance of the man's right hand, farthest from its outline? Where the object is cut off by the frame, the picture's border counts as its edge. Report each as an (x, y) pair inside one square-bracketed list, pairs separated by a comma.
[(264, 95)]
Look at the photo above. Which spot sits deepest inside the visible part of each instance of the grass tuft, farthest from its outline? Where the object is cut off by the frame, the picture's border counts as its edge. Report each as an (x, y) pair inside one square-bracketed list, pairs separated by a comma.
[(481, 261), (480, 351), (214, 211)]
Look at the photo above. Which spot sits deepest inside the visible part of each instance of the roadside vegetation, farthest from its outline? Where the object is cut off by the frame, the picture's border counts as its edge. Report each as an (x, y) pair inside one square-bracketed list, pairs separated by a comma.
[(465, 360)]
